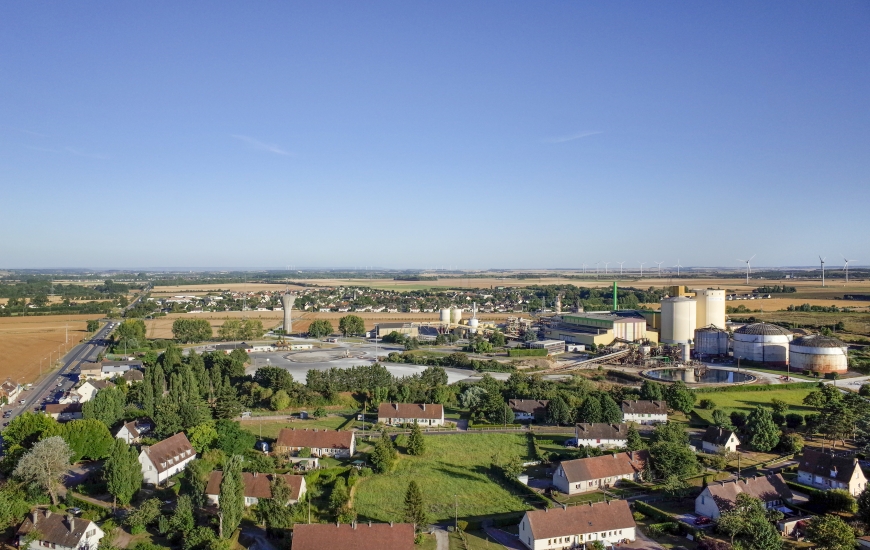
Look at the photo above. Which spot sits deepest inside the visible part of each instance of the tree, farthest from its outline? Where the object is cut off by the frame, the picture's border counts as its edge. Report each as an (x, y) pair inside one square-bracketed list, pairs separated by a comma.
[(558, 412), (472, 397), (792, 443), (779, 406), (202, 437), (384, 453), (231, 497), (864, 506), (130, 332), (503, 415), (416, 443), (107, 406), (88, 438), (764, 432), (191, 330), (675, 486), (670, 458), (651, 391), (320, 328), (670, 432), (13, 505), (350, 325), (274, 512), (45, 465), (750, 519), (722, 420), (182, 520), (610, 411), (93, 325), (339, 496), (26, 429), (415, 510), (143, 516), (232, 439), (829, 532), (680, 397), (590, 410), (122, 472), (635, 443), (738, 419), (279, 401), (497, 339)]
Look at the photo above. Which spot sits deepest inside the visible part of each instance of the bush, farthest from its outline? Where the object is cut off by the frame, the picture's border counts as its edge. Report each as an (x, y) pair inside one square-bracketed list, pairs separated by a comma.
[(707, 404), (523, 352)]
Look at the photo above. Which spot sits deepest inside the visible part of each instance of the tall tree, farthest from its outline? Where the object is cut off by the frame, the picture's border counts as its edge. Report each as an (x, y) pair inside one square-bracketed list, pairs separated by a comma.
[(764, 432), (610, 411), (635, 443), (88, 438), (651, 391), (231, 497), (27, 428), (45, 465), (722, 420), (107, 406), (416, 443), (415, 509), (182, 520), (320, 328), (122, 472), (558, 411), (384, 453), (351, 325), (274, 512), (680, 397), (227, 404), (829, 532), (590, 410)]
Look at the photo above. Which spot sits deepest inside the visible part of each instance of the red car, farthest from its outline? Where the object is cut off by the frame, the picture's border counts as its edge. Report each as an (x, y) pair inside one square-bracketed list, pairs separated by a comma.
[(702, 520)]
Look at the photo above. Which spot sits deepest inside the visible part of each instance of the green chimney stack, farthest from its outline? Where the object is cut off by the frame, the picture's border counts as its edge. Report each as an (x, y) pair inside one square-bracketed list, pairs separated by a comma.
[(615, 306)]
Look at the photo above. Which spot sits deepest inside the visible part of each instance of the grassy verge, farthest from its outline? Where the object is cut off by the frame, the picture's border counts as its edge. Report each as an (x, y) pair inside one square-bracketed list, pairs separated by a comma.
[(746, 401)]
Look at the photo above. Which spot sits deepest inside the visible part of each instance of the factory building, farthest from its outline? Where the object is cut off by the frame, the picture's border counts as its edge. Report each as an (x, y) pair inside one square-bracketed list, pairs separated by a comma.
[(594, 328), (762, 343), (411, 330), (819, 353)]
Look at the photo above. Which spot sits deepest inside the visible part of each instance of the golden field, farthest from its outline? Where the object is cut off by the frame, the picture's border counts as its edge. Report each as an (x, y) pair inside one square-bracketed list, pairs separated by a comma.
[(24, 341)]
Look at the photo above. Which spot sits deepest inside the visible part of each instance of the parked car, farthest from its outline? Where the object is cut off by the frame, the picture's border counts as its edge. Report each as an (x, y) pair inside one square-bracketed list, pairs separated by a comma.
[(571, 442), (702, 520), (74, 511)]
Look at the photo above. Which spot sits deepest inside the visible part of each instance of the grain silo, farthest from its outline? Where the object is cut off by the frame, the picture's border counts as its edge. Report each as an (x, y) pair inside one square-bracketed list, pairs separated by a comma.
[(710, 341), (678, 320), (711, 308), (445, 316), (762, 343), (819, 353), (455, 315)]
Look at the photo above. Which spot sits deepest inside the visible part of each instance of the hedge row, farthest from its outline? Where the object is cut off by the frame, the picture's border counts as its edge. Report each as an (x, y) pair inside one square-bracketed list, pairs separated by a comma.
[(523, 352), (764, 387), (660, 515)]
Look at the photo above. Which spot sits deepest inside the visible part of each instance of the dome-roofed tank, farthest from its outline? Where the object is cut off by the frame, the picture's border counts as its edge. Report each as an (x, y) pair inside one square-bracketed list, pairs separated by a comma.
[(762, 343), (819, 353), (710, 341), (678, 320)]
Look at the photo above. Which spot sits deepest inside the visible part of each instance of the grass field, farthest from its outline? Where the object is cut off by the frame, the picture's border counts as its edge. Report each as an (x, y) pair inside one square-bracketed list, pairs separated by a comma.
[(270, 428), (748, 400), (453, 465), (24, 341)]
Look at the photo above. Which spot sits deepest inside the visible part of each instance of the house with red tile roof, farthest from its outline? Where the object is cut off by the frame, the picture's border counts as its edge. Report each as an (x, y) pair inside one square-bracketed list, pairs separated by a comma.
[(574, 526), (356, 536), (600, 472), (257, 486), (424, 414)]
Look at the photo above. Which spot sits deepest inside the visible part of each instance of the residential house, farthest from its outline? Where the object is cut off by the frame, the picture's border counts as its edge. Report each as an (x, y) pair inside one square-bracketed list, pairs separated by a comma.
[(58, 532), (425, 414), (89, 389), (529, 409), (358, 536), (716, 439), (64, 412), (165, 459), (90, 371), (229, 348), (561, 528), (9, 390), (821, 470), (257, 486), (719, 497), (335, 443), (132, 431), (601, 434), (600, 472), (645, 412), (133, 375)]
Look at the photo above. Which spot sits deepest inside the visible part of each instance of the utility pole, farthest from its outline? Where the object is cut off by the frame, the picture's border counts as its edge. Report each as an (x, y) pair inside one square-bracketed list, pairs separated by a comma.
[(455, 513)]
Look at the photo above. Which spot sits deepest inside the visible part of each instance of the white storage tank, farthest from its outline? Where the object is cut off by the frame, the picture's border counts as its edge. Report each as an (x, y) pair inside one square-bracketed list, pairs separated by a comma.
[(762, 343), (710, 308), (678, 320), (445, 316), (473, 323), (710, 341), (455, 315), (819, 353)]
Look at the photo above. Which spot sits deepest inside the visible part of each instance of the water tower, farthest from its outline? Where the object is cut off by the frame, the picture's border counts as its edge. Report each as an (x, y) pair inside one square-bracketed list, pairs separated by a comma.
[(287, 301)]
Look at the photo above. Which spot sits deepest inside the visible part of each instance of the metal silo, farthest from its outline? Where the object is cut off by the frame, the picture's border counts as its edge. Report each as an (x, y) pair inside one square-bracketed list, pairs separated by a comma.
[(762, 343), (710, 341), (819, 353), (710, 308), (455, 315), (678, 320), (445, 316)]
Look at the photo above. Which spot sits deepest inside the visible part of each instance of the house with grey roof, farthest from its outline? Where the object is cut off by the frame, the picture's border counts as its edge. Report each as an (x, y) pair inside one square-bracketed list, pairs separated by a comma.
[(58, 531), (601, 434), (824, 471), (165, 459)]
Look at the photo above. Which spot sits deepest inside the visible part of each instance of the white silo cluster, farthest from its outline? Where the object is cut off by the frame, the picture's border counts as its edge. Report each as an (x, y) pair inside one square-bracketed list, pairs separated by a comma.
[(711, 308), (819, 353), (445, 316), (763, 343), (455, 315), (678, 320)]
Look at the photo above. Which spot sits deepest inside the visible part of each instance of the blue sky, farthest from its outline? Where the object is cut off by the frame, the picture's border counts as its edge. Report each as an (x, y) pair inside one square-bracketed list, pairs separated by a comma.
[(420, 134)]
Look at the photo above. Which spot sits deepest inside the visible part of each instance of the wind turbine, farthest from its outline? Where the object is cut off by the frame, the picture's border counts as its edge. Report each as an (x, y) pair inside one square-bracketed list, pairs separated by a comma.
[(823, 269), (641, 269), (748, 268), (678, 266), (620, 267), (584, 269), (605, 267), (660, 267), (846, 267)]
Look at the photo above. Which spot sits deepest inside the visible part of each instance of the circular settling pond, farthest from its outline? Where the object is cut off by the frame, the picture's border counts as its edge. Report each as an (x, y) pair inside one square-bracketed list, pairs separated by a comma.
[(700, 376)]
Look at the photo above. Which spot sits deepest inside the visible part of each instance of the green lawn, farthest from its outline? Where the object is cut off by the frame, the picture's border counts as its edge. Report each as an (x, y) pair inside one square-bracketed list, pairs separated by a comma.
[(453, 465), (270, 428), (746, 401), (476, 540)]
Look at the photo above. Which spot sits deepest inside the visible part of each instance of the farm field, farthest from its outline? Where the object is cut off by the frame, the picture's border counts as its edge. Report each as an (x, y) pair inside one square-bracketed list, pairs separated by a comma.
[(24, 341), (452, 465), (745, 401), (203, 289)]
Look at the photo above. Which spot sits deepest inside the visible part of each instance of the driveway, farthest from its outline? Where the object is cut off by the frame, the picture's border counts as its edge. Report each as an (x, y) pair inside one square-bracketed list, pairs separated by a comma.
[(505, 539), (642, 542)]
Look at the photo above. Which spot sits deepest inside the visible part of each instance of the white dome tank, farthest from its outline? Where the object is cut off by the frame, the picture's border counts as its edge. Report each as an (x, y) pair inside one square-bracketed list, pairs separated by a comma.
[(445, 316), (455, 315), (678, 320), (473, 323), (762, 343), (710, 341), (710, 308), (819, 353)]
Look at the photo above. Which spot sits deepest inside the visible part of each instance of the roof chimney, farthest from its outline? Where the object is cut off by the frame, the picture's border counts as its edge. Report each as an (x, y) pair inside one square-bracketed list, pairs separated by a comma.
[(47, 513), (71, 522), (424, 406)]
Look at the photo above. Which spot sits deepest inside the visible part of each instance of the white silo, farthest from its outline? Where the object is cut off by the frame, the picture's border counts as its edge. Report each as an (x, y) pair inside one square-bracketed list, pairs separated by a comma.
[(710, 308), (819, 354), (287, 301), (455, 315), (445, 316), (762, 343), (710, 341), (678, 320)]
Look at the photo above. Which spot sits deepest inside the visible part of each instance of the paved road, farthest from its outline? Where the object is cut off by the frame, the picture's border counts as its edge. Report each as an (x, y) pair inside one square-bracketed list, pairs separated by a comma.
[(56, 383)]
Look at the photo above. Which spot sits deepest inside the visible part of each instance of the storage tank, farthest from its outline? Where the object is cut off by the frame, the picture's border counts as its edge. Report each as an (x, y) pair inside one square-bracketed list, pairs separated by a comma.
[(473, 323), (762, 343), (710, 308), (455, 315), (819, 353), (710, 341), (445, 316), (678, 320)]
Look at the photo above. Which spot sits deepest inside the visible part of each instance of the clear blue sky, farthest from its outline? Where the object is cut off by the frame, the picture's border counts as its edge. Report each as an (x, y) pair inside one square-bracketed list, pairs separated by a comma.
[(420, 134)]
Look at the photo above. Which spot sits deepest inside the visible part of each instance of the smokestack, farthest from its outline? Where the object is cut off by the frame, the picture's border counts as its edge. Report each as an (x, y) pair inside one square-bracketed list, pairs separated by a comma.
[(287, 301), (615, 305)]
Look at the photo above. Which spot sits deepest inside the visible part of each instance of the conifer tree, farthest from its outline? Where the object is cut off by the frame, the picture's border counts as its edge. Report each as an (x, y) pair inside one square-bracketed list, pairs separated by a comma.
[(384, 453), (231, 498), (416, 443), (415, 510), (635, 443), (122, 472)]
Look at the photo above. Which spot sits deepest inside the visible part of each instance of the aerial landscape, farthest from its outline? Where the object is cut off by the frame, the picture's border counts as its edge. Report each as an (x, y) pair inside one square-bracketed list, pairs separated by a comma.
[(435, 276)]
